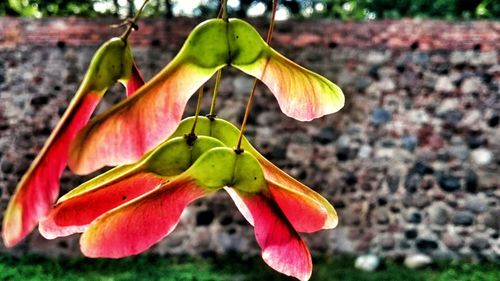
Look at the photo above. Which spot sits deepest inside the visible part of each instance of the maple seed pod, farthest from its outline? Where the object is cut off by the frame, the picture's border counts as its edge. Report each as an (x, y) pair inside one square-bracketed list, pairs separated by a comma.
[(113, 62), (281, 185), (222, 166), (117, 136), (175, 155), (248, 176), (39, 186), (73, 214)]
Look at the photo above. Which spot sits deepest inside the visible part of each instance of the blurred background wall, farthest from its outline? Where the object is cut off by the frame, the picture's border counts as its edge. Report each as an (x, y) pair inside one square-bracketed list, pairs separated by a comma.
[(411, 163)]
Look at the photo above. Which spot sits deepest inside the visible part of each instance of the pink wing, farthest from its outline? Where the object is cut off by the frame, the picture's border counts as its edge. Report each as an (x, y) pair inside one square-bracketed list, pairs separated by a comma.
[(134, 227), (74, 214), (135, 82), (136, 125), (303, 212), (282, 247), (301, 94), (39, 187)]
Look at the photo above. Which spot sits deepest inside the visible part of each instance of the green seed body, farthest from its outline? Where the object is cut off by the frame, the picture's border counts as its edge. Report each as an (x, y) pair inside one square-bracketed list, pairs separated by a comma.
[(215, 43), (111, 63), (175, 156), (222, 166)]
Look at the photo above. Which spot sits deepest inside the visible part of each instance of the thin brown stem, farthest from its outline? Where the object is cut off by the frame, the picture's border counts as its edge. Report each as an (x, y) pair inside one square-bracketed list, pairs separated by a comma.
[(132, 24), (214, 96), (245, 118), (191, 137), (221, 10), (271, 26), (254, 86), (224, 10), (198, 108)]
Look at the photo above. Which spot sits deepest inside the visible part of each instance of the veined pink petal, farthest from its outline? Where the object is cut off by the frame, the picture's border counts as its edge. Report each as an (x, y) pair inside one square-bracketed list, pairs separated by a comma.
[(131, 128), (39, 187), (76, 213), (302, 94), (275, 174), (134, 227), (303, 212), (135, 81), (282, 248)]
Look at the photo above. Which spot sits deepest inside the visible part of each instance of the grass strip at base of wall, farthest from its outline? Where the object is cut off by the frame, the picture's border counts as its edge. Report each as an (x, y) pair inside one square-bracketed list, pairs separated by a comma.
[(232, 267)]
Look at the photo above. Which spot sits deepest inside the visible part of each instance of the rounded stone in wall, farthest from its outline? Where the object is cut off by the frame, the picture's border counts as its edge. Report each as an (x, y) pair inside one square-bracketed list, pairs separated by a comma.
[(387, 242), (439, 213), (381, 216), (463, 218), (202, 239), (411, 233), (491, 219), (413, 216), (479, 243), (426, 245), (476, 203), (452, 241), (448, 183), (204, 217)]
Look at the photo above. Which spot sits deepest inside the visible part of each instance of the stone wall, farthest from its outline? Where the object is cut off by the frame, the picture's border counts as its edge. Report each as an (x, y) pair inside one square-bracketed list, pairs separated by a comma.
[(411, 163)]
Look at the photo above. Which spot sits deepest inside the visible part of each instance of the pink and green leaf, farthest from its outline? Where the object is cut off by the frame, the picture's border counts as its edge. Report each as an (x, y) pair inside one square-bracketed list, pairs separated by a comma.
[(137, 225), (305, 213), (282, 248), (275, 174), (78, 208), (74, 214), (128, 130), (137, 124), (39, 187), (301, 93), (135, 81)]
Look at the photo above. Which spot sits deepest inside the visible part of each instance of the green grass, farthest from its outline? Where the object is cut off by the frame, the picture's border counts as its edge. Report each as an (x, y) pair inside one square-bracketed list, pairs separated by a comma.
[(151, 267)]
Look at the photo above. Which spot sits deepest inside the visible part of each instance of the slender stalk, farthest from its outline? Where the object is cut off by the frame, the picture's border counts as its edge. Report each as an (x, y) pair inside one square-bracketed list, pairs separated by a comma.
[(224, 10), (221, 10), (191, 137), (221, 15), (254, 86), (132, 24), (271, 26), (198, 108), (212, 113), (245, 118)]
